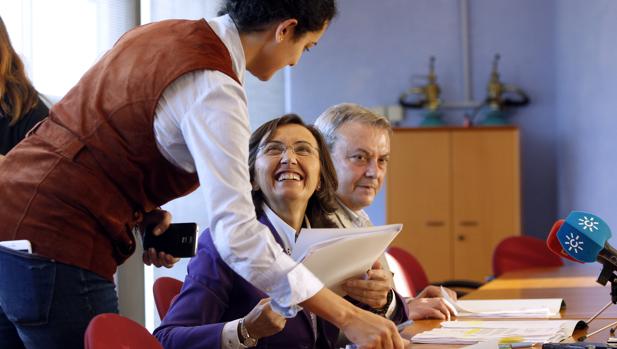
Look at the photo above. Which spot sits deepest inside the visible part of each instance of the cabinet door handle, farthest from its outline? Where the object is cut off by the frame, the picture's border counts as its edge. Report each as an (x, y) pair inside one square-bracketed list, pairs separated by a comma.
[(469, 223), (435, 223), (460, 237)]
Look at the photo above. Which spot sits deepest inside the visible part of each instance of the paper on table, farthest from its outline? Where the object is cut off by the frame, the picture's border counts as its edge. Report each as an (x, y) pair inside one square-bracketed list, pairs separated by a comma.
[(335, 255), (488, 344), (468, 332), (513, 324), (521, 308)]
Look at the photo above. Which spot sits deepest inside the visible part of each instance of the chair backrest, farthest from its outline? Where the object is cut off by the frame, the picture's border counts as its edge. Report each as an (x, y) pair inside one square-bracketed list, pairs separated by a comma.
[(402, 286), (522, 252), (113, 331), (414, 272), (165, 290)]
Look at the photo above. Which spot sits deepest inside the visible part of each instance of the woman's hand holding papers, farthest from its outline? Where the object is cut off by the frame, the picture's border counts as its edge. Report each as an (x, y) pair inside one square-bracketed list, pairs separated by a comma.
[(373, 289)]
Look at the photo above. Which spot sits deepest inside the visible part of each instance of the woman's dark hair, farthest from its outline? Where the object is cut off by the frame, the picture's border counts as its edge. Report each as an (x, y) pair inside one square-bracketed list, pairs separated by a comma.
[(256, 15), (323, 201)]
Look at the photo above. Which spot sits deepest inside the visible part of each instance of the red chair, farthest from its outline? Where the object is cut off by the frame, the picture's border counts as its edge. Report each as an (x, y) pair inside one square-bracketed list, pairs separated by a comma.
[(413, 273), (165, 290), (416, 277), (522, 252), (113, 331)]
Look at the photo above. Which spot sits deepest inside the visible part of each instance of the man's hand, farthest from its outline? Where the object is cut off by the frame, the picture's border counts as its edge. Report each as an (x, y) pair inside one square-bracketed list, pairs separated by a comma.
[(160, 220), (262, 321), (428, 308), (372, 291), (369, 330), (432, 291)]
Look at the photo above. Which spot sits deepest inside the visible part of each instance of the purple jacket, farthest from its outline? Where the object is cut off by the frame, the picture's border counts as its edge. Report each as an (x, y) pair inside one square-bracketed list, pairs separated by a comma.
[(213, 294)]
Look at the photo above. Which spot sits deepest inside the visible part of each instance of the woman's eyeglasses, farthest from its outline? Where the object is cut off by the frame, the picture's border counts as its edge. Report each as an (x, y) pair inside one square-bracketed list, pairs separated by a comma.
[(298, 148)]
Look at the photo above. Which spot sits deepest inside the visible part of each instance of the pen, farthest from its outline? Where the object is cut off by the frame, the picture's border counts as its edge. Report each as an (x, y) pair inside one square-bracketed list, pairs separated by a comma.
[(515, 345), (400, 327)]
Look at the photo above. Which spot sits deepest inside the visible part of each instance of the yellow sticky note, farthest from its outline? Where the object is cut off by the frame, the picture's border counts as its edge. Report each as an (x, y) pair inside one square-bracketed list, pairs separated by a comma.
[(509, 340), (472, 331)]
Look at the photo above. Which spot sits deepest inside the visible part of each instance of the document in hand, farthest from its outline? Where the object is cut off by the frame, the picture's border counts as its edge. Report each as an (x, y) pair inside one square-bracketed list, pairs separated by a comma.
[(504, 308), (468, 332), (335, 255)]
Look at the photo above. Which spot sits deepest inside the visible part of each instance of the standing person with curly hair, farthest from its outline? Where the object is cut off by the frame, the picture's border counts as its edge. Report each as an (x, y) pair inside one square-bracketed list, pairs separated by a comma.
[(162, 112), (20, 105)]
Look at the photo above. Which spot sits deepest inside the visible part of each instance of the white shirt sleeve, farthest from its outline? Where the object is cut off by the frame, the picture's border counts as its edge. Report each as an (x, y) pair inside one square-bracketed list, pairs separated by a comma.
[(229, 336), (392, 306), (209, 109)]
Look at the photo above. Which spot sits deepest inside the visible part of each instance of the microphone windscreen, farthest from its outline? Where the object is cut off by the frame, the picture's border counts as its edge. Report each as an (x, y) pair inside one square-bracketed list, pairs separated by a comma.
[(583, 235), (553, 243)]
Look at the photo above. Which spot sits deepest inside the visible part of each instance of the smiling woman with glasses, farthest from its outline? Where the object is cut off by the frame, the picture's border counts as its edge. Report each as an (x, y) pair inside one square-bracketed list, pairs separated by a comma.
[(294, 183)]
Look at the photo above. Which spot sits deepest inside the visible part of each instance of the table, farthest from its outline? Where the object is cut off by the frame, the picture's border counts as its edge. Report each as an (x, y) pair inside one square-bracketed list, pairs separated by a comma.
[(576, 284)]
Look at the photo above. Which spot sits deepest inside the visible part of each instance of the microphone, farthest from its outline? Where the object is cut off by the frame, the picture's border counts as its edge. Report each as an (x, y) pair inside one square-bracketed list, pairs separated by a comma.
[(583, 237), (553, 244)]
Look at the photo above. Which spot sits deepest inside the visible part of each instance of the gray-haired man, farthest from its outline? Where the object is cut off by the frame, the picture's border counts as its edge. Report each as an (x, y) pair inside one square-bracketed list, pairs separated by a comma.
[(359, 141)]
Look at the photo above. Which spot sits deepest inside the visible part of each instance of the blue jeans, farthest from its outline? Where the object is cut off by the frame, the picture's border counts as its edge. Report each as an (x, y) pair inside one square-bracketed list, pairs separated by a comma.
[(46, 304)]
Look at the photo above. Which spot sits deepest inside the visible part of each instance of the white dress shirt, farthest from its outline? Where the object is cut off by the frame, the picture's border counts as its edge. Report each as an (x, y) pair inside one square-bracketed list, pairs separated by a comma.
[(201, 125)]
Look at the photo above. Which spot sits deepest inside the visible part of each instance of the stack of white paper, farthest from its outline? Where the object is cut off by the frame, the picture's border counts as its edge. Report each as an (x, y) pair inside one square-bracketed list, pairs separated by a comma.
[(509, 308), (335, 255), (469, 332)]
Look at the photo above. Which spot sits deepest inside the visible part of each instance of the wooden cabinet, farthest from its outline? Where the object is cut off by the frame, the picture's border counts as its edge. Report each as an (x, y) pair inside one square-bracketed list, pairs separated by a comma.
[(457, 192)]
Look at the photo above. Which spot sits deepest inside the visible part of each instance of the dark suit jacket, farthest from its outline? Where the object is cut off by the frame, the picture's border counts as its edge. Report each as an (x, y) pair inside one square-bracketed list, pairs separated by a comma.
[(213, 294)]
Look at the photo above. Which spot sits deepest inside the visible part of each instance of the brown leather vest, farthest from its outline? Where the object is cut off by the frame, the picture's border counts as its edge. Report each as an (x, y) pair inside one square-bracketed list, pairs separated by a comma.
[(75, 186)]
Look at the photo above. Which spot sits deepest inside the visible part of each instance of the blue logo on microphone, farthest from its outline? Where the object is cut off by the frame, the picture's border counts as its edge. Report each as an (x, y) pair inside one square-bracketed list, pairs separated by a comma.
[(574, 242), (588, 223)]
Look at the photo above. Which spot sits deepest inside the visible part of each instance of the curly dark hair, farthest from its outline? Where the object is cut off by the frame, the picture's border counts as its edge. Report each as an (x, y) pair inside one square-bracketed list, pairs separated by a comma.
[(256, 15), (323, 201)]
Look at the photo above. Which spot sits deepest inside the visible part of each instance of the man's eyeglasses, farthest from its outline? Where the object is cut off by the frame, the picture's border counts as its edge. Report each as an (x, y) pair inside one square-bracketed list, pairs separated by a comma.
[(278, 148)]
